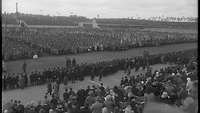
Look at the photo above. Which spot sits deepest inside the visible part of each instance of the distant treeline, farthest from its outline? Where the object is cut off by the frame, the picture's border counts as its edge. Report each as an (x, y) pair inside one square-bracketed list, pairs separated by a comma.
[(31, 19)]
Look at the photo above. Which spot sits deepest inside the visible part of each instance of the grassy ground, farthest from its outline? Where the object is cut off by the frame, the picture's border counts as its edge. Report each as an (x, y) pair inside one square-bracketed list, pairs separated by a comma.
[(52, 61), (172, 30)]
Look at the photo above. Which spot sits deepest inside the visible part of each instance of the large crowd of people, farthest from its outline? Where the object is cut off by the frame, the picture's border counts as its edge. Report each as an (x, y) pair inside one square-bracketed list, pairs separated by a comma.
[(74, 71), (175, 85), (147, 23), (24, 43)]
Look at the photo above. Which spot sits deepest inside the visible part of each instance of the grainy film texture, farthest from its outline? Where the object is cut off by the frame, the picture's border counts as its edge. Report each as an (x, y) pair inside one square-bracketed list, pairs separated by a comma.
[(99, 56)]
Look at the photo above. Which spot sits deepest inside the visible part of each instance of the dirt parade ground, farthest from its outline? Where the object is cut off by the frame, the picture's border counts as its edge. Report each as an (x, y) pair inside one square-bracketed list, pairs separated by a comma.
[(37, 93), (52, 61)]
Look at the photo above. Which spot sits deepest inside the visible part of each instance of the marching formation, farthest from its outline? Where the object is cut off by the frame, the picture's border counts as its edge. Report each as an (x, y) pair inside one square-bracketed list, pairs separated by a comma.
[(24, 43)]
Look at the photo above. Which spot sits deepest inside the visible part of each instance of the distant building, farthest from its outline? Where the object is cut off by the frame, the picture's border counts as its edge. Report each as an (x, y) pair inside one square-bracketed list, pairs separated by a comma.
[(92, 24)]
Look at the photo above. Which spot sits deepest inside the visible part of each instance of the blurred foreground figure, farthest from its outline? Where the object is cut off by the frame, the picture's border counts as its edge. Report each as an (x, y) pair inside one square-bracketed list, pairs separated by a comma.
[(156, 107), (153, 104), (190, 104)]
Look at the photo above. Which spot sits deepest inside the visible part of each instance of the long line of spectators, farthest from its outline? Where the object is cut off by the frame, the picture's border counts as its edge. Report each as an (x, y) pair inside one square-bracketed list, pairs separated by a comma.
[(175, 86), (147, 23), (71, 41), (74, 72)]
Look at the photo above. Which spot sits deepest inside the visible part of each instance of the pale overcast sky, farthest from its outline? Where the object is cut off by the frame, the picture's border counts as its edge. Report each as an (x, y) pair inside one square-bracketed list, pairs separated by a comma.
[(105, 8)]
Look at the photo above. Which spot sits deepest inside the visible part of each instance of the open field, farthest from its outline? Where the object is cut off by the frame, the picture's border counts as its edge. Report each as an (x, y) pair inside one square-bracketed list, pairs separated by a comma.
[(171, 30), (51, 61)]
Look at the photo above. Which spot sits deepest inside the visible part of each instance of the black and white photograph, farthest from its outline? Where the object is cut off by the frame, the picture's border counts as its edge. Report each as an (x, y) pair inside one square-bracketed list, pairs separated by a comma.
[(99, 56)]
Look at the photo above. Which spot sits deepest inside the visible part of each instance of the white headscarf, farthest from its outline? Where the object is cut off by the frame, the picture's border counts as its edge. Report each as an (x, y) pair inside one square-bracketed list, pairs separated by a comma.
[(51, 111), (164, 94), (5, 111), (188, 79), (108, 98), (189, 84), (128, 109), (105, 110)]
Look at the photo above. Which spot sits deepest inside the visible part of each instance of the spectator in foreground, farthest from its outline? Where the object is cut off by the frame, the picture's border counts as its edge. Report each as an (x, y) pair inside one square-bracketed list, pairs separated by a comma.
[(153, 104)]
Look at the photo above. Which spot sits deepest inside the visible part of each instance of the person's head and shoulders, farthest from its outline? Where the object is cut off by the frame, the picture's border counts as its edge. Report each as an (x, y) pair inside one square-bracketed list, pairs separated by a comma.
[(128, 109), (102, 87), (45, 100), (97, 104), (66, 93)]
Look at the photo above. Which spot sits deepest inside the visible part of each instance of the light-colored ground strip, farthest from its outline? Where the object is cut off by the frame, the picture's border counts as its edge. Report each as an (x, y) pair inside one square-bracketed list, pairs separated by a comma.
[(36, 93), (52, 61)]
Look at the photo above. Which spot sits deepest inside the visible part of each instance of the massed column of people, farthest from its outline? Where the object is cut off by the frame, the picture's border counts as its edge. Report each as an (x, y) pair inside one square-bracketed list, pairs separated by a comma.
[(174, 85)]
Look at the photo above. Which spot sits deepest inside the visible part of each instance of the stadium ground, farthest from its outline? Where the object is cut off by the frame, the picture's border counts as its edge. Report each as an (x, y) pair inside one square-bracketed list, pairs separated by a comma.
[(52, 61), (36, 93)]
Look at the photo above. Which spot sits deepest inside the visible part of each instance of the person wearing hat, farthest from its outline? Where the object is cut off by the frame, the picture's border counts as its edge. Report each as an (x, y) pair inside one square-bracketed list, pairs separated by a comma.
[(105, 110), (49, 88), (45, 101), (128, 109), (71, 92), (85, 109), (97, 106), (66, 95), (41, 110), (190, 104), (189, 85), (73, 99), (54, 101), (90, 99), (20, 107), (31, 108), (51, 111), (109, 103), (66, 79), (59, 109), (164, 95), (5, 111)]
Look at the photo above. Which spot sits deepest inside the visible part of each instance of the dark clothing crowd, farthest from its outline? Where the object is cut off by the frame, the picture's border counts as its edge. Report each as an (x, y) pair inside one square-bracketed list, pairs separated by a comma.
[(175, 85), (22, 44), (76, 72)]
